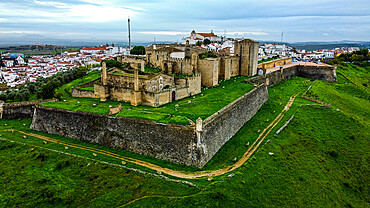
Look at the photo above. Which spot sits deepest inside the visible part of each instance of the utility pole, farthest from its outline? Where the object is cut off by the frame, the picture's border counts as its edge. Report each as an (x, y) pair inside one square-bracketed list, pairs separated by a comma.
[(129, 34), (282, 35)]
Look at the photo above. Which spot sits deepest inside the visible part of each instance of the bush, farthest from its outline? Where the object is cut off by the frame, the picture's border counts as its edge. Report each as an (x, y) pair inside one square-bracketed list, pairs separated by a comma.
[(113, 63), (206, 42), (58, 95), (138, 50), (208, 54)]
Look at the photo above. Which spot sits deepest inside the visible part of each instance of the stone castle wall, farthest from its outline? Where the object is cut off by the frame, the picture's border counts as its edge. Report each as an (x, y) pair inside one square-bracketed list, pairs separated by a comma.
[(275, 63), (163, 141), (223, 125), (325, 73), (175, 143), (19, 110), (209, 69)]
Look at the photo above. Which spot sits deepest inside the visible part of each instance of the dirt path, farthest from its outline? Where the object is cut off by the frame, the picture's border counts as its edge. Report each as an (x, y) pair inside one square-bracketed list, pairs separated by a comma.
[(180, 174)]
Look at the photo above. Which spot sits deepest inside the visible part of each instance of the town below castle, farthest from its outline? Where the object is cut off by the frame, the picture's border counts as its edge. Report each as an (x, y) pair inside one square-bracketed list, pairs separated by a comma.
[(18, 68)]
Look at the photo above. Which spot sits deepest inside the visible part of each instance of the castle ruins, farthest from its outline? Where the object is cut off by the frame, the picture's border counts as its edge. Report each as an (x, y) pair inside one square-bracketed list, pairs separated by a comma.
[(183, 73)]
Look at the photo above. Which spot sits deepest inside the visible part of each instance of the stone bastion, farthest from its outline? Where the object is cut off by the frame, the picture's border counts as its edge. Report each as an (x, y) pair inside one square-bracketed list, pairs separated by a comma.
[(188, 145)]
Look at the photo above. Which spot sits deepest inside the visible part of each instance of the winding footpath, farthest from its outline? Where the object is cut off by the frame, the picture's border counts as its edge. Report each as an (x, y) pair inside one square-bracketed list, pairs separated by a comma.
[(175, 173)]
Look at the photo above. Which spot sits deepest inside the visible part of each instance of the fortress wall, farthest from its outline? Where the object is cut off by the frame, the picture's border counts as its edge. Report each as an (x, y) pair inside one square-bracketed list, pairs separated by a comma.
[(209, 70), (275, 63), (120, 94), (148, 98), (234, 65), (175, 143), (325, 73), (19, 110), (82, 93), (182, 93), (223, 125), (163, 141), (195, 85), (77, 92), (164, 97)]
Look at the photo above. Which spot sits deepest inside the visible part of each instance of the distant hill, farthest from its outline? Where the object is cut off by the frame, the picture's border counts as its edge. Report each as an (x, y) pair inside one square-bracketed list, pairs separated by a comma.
[(310, 46)]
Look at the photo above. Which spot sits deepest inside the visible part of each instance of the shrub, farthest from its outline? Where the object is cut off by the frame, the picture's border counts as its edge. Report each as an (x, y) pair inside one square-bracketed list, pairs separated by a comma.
[(138, 50)]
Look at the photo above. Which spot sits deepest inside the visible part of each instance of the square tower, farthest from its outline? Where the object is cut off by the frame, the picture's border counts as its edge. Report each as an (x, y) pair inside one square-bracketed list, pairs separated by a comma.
[(247, 50)]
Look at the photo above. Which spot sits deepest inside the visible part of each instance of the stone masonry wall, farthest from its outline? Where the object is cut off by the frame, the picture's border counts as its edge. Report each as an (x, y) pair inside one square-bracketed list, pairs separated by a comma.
[(20, 110), (175, 143), (163, 141), (209, 69), (223, 125), (325, 73)]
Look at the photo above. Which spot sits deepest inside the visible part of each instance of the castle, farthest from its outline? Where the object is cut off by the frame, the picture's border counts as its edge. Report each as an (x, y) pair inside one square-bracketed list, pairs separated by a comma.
[(183, 73)]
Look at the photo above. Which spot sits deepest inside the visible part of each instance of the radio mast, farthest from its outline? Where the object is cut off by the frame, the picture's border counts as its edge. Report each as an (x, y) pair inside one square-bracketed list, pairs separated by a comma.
[(282, 35), (129, 34)]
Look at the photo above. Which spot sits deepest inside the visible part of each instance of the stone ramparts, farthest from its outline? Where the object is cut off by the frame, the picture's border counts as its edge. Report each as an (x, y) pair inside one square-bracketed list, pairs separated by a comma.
[(217, 129), (175, 143), (78, 92), (19, 110), (318, 72)]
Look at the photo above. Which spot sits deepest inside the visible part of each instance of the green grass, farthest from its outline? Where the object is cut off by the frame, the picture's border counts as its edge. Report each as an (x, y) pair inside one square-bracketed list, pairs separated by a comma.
[(268, 59), (68, 87), (359, 76), (202, 105), (89, 88), (152, 70), (50, 179), (321, 159)]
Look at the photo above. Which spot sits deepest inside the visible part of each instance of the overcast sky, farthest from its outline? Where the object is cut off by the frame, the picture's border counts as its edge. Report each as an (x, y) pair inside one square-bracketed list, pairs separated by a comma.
[(90, 20)]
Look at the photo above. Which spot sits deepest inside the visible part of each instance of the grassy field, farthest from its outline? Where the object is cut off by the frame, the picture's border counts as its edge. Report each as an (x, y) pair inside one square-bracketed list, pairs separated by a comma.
[(202, 105), (321, 159), (90, 88), (49, 179)]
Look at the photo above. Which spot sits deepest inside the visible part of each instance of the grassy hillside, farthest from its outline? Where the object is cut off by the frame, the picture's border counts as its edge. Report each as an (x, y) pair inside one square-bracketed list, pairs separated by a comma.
[(321, 159)]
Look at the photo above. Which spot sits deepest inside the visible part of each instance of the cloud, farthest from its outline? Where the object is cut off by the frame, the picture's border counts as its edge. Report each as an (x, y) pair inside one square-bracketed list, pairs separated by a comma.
[(170, 33), (51, 3), (325, 34), (21, 32), (247, 33), (92, 13), (169, 20)]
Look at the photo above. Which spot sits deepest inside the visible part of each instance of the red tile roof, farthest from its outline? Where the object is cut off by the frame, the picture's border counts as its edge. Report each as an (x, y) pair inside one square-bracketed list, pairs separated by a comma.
[(207, 34), (93, 49)]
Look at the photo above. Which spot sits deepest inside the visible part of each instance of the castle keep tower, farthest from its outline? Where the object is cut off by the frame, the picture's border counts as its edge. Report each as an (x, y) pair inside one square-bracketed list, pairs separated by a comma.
[(247, 50)]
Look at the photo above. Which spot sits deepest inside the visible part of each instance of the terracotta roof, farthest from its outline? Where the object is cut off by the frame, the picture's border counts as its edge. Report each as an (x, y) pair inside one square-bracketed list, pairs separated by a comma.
[(207, 34), (93, 49)]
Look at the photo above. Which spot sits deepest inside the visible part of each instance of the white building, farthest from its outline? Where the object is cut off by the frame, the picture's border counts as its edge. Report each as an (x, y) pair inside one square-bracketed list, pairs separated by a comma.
[(195, 37), (93, 50)]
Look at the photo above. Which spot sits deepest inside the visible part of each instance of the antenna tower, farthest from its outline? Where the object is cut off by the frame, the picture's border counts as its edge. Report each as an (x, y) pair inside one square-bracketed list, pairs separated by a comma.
[(129, 33)]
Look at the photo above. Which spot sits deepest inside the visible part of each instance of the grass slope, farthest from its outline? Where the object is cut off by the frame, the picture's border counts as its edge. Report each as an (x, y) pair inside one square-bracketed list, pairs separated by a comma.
[(34, 177)]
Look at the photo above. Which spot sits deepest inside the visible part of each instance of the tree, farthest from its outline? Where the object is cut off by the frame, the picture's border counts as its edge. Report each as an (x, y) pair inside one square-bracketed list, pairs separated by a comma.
[(1, 62), (81, 72), (138, 50), (208, 54), (113, 63), (364, 51), (48, 90), (206, 42), (199, 43)]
